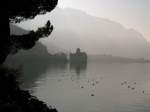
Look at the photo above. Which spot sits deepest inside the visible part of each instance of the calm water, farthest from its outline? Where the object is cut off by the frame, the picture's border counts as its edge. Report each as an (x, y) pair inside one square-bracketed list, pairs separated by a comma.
[(95, 87)]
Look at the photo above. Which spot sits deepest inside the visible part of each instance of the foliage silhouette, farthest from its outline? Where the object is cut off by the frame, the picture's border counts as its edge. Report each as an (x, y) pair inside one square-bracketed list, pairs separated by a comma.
[(12, 97), (27, 41), (19, 10)]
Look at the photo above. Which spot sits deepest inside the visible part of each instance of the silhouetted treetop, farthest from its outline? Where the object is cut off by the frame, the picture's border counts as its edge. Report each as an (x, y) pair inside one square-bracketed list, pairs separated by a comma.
[(12, 97), (19, 10), (27, 41)]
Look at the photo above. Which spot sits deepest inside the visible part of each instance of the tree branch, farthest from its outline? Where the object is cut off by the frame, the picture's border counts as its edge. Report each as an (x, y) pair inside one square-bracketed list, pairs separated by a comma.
[(27, 41), (28, 9)]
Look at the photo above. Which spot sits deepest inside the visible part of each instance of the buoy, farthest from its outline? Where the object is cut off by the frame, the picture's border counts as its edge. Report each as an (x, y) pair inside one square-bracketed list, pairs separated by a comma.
[(133, 88), (122, 83), (92, 95), (143, 92)]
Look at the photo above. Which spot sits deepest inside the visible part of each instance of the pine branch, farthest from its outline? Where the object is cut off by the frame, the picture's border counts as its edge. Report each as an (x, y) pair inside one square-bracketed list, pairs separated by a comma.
[(27, 41)]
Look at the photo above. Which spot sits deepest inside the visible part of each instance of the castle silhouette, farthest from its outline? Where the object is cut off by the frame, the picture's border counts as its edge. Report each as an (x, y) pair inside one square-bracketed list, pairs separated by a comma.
[(78, 57)]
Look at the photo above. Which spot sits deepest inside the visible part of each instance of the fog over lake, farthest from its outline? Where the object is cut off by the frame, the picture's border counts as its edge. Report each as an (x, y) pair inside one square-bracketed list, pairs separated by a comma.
[(116, 77), (75, 56), (95, 87), (95, 35)]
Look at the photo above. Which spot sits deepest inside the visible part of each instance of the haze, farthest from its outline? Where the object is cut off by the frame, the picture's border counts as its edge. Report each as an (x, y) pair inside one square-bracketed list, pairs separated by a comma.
[(131, 13), (115, 27)]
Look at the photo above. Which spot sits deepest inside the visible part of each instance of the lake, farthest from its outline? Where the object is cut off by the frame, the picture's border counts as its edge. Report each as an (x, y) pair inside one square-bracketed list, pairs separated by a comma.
[(95, 87)]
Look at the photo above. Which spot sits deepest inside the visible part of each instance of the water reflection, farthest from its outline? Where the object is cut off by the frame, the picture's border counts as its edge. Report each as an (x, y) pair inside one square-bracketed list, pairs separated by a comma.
[(78, 67), (96, 86), (32, 71), (37, 71)]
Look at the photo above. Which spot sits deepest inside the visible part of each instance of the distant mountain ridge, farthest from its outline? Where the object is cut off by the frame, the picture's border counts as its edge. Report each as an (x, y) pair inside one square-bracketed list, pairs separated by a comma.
[(16, 30), (76, 29), (116, 59), (37, 54), (40, 53)]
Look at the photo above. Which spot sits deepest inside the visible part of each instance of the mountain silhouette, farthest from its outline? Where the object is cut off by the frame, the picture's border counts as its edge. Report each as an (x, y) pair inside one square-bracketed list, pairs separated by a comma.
[(38, 57), (95, 35), (14, 29), (38, 52)]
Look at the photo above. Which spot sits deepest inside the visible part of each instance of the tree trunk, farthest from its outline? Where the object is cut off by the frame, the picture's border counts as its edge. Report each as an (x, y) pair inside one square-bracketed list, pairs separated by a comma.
[(5, 42)]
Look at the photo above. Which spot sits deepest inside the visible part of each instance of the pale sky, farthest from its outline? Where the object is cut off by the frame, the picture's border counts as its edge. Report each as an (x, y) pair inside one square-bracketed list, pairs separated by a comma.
[(130, 13)]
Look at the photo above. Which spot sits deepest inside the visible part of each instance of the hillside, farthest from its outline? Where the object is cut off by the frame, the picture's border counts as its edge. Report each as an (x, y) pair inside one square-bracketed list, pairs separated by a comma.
[(74, 28)]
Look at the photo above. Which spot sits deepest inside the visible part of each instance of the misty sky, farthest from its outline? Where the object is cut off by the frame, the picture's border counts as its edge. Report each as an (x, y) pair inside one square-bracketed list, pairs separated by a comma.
[(131, 13)]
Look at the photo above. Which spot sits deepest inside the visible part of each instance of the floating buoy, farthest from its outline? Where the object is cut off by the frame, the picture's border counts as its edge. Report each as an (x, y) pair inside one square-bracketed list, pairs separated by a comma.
[(143, 92), (122, 83), (97, 82), (125, 82), (82, 87), (92, 95), (133, 88), (93, 84)]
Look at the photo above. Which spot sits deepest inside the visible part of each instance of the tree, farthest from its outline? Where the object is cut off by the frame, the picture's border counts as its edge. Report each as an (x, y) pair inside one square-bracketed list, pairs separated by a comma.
[(21, 10), (12, 98)]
